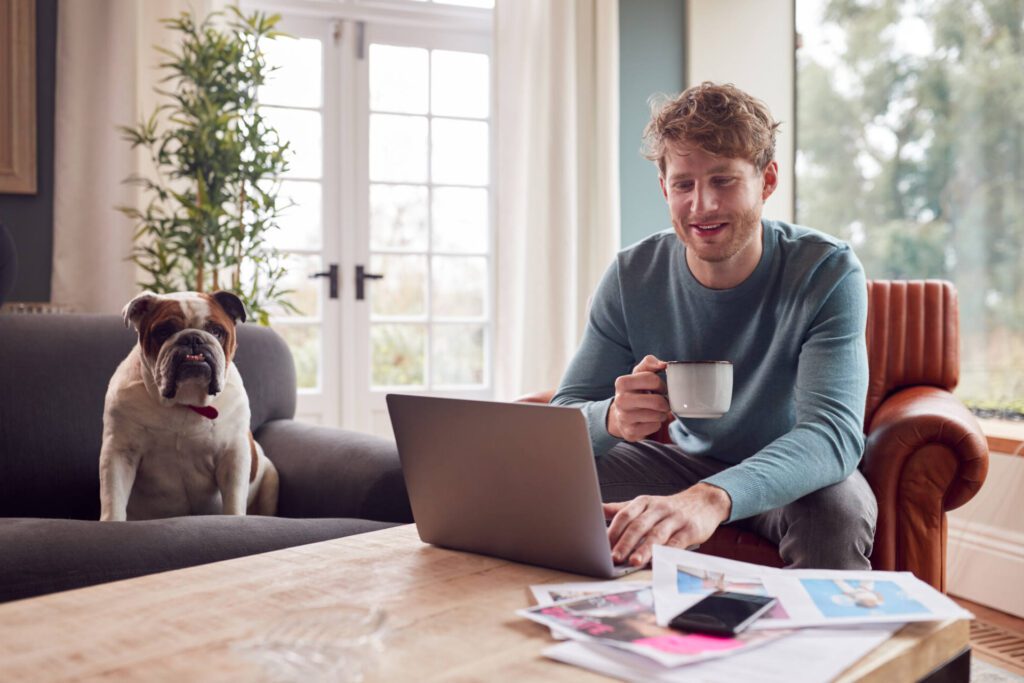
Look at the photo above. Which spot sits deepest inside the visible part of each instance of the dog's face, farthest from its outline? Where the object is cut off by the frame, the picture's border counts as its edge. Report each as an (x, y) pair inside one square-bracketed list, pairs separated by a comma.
[(187, 341)]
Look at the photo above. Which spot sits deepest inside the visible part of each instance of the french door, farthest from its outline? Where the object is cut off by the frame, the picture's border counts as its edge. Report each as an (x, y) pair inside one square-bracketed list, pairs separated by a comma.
[(388, 235)]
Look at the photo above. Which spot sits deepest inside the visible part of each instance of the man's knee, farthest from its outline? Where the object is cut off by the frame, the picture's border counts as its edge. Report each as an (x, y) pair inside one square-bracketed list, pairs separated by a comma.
[(832, 528)]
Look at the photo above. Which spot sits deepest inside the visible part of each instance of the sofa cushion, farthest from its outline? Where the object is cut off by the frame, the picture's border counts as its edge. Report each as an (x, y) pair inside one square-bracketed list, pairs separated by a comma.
[(46, 555)]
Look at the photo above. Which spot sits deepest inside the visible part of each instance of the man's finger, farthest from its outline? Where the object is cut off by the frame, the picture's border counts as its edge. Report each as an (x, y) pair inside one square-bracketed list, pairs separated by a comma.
[(612, 509), (656, 536), (634, 533), (640, 382), (628, 511), (650, 364), (683, 538)]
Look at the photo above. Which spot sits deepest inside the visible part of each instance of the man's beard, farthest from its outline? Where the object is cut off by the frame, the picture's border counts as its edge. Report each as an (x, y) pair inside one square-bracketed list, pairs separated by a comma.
[(743, 229)]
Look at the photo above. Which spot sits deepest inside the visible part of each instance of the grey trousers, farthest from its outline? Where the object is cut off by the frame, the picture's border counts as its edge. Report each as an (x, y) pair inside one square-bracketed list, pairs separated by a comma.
[(831, 528)]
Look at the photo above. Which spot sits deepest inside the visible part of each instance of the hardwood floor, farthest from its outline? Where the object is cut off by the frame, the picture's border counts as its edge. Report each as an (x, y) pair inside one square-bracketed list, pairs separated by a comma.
[(996, 637)]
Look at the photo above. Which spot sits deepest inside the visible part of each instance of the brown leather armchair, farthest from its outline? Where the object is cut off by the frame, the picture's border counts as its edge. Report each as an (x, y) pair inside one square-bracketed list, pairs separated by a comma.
[(925, 452)]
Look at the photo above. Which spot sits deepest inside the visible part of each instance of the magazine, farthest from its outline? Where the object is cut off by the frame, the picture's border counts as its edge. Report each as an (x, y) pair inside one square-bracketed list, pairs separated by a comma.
[(626, 620)]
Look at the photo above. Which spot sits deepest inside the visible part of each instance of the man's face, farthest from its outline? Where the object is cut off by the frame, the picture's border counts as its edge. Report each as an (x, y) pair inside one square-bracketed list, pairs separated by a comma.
[(715, 204)]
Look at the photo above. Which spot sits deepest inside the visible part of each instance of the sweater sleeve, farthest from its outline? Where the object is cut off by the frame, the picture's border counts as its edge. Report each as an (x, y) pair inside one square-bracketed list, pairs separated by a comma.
[(604, 354), (827, 440)]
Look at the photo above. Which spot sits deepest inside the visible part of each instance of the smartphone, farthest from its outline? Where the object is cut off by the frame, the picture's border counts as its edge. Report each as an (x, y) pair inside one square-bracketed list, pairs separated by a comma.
[(722, 613)]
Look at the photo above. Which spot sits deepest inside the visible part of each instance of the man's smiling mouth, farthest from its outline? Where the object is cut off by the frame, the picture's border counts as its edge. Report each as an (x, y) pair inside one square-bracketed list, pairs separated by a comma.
[(707, 227)]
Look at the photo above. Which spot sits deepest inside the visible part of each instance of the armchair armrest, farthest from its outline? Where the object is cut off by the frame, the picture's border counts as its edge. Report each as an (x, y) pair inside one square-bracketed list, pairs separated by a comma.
[(925, 454), (328, 472)]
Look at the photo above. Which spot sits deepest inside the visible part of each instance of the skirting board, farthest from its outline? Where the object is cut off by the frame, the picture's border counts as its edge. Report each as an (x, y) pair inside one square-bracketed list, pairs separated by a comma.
[(985, 565)]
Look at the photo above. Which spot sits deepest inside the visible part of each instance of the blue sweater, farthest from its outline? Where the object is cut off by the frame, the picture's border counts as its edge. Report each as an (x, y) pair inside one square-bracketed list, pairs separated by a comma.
[(794, 331)]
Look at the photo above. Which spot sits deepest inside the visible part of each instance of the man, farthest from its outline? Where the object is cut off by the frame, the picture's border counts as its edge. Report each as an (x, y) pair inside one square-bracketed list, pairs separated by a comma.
[(785, 304)]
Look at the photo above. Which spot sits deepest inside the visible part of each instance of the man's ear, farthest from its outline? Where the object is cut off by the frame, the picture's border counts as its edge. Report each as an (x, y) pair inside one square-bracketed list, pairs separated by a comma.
[(231, 304), (664, 190), (770, 175), (138, 307)]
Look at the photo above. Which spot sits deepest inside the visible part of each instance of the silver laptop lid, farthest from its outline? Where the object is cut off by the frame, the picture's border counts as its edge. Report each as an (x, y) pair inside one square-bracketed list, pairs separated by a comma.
[(512, 480)]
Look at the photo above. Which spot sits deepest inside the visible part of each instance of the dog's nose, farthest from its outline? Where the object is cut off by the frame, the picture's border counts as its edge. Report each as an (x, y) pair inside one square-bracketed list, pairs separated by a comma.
[(193, 340)]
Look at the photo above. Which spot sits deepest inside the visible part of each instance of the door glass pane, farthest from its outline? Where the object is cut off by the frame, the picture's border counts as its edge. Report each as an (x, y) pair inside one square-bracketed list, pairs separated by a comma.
[(457, 356), (460, 219), (305, 294), (459, 286), (398, 217), (398, 353), (305, 343), (398, 79), (459, 152), (398, 148), (296, 80), (300, 222), (302, 130), (460, 84), (403, 289)]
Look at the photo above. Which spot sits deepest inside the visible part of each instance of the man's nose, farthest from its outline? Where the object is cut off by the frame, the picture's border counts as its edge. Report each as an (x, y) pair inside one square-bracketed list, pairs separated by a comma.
[(705, 200)]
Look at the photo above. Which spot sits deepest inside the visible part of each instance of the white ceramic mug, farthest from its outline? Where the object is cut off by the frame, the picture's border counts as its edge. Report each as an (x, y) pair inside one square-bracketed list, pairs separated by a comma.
[(699, 388)]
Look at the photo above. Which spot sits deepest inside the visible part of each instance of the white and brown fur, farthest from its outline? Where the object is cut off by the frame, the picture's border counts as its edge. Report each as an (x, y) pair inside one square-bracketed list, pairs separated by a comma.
[(159, 457)]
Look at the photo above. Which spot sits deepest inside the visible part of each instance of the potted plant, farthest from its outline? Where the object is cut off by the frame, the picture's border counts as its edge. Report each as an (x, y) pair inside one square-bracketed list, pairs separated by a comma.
[(212, 200)]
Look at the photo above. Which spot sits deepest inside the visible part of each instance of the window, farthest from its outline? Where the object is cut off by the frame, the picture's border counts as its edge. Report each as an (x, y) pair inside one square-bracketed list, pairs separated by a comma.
[(910, 145), (429, 217)]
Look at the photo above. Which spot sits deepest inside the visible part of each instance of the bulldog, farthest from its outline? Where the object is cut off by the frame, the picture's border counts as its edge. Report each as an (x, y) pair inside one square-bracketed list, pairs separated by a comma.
[(176, 437)]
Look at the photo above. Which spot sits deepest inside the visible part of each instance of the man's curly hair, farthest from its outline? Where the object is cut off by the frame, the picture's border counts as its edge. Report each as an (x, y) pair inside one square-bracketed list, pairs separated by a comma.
[(721, 120)]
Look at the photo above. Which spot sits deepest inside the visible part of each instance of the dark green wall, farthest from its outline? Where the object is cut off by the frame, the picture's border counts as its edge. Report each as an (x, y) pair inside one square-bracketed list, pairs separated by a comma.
[(29, 217), (652, 55)]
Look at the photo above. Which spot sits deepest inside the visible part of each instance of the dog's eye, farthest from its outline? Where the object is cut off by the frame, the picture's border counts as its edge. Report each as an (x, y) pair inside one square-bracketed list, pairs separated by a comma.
[(216, 330), (164, 330)]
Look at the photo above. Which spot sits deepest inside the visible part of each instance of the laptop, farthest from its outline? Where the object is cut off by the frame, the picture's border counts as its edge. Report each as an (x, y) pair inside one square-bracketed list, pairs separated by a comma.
[(510, 480)]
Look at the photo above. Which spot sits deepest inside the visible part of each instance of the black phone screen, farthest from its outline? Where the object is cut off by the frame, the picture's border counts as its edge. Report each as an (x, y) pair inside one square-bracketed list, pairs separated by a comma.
[(722, 613)]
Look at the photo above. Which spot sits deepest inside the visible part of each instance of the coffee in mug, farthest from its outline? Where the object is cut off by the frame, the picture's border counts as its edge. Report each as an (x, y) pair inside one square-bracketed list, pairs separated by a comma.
[(699, 388)]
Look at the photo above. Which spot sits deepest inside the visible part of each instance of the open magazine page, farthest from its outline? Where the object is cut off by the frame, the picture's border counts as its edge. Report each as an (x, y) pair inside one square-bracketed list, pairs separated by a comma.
[(548, 593), (626, 620), (807, 597)]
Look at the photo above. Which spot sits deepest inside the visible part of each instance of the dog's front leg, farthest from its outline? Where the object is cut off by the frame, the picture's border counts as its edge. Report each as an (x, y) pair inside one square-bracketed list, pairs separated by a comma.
[(233, 480), (117, 476)]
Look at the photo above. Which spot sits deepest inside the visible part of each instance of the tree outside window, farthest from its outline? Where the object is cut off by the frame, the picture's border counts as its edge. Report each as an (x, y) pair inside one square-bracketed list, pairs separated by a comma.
[(910, 145)]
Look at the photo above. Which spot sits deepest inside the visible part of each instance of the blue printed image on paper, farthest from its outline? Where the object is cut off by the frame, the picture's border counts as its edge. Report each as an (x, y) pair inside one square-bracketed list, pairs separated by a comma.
[(852, 598)]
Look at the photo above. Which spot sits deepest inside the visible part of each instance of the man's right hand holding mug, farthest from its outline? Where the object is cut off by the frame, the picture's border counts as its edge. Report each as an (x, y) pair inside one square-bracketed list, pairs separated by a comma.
[(640, 405)]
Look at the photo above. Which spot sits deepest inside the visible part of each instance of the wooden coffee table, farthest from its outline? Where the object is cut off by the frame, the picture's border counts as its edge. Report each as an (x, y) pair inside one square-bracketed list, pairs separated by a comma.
[(450, 616)]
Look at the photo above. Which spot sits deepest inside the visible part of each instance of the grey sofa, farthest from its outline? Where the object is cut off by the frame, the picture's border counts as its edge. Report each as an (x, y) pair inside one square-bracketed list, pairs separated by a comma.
[(54, 371)]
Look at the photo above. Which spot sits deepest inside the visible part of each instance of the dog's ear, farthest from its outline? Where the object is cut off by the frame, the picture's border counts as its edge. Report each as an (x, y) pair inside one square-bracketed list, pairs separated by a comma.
[(231, 304), (137, 307)]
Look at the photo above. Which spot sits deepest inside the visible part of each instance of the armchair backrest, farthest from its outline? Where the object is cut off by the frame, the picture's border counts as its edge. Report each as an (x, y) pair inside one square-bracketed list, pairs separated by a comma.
[(912, 337)]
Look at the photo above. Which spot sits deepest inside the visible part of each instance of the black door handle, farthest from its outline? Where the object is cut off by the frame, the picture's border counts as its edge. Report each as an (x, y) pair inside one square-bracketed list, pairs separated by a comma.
[(332, 274), (361, 277)]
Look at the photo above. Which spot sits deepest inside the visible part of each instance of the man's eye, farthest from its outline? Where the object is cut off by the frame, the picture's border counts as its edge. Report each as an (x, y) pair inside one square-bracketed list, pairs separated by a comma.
[(723, 181)]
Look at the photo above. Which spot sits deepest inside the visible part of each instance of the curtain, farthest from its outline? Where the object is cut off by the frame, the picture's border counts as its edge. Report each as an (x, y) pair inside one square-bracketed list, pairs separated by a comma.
[(106, 71), (557, 183)]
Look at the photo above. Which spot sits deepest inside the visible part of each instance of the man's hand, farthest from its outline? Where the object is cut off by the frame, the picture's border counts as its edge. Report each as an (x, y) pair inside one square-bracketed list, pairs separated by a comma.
[(682, 520), (639, 406)]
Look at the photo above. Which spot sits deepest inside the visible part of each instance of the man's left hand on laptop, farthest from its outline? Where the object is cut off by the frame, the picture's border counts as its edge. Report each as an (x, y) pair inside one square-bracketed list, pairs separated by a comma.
[(682, 520)]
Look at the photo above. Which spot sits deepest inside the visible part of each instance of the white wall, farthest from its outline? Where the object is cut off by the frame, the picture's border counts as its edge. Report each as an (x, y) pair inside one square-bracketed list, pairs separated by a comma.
[(750, 43), (985, 550)]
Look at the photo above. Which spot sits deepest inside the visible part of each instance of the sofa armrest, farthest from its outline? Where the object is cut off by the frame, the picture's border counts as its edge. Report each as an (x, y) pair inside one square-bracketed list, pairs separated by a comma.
[(925, 454), (329, 472)]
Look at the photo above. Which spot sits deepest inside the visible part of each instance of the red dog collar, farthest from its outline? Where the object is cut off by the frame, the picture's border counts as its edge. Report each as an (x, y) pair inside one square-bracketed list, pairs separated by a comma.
[(206, 411)]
